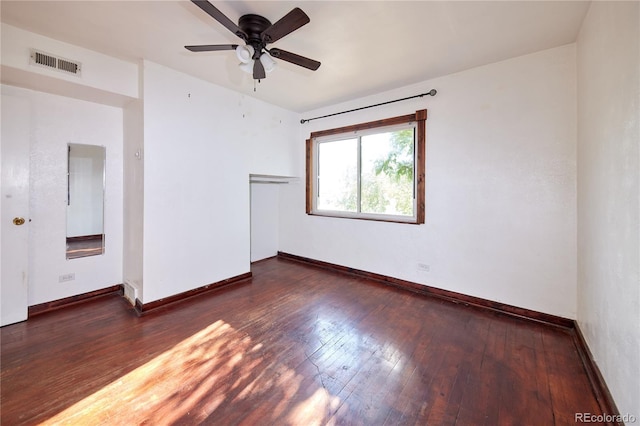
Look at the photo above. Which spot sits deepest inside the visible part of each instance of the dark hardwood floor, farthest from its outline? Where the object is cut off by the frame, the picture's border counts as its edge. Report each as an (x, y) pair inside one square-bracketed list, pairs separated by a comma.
[(294, 345)]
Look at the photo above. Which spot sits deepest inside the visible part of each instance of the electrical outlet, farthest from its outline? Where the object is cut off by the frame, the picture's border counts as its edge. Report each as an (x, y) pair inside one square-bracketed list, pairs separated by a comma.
[(423, 267), (67, 277)]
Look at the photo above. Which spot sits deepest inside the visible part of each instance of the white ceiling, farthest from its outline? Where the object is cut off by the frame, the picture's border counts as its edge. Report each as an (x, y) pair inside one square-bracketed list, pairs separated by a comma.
[(365, 46)]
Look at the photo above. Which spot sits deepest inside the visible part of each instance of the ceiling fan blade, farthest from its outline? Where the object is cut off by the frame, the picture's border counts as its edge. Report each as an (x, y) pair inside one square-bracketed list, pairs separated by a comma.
[(287, 24), (258, 70), (211, 47), (295, 59), (212, 11)]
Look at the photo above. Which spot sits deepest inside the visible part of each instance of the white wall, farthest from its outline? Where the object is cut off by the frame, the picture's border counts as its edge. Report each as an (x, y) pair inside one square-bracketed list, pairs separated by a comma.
[(55, 121), (187, 208), (201, 142), (103, 78), (500, 188), (133, 229), (609, 195)]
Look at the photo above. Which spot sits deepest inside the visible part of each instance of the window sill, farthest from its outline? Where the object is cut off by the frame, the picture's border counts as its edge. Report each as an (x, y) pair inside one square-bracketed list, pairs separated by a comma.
[(374, 218)]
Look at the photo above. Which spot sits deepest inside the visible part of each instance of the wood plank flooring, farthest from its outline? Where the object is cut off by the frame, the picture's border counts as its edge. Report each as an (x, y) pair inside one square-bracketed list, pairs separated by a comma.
[(294, 345)]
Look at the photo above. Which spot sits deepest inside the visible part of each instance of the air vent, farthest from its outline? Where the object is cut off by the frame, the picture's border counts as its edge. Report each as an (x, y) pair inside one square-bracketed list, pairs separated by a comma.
[(46, 60), (68, 66)]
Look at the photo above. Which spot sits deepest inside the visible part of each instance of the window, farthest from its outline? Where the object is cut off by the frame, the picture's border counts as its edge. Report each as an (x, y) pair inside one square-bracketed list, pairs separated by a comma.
[(369, 171)]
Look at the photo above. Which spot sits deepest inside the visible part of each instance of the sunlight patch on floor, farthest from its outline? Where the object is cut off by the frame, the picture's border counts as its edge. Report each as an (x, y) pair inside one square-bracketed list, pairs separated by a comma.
[(211, 370), (308, 412)]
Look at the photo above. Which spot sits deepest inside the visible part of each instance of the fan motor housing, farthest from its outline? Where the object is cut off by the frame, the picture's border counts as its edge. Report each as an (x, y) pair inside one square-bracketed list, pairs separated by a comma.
[(253, 25), (257, 32)]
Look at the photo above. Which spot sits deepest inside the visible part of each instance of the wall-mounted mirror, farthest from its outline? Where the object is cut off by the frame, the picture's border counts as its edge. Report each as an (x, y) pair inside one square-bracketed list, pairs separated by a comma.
[(85, 200)]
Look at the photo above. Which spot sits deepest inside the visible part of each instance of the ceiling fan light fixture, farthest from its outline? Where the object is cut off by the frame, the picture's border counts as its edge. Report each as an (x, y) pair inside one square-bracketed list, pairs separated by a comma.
[(268, 62), (245, 53), (246, 67), (257, 32)]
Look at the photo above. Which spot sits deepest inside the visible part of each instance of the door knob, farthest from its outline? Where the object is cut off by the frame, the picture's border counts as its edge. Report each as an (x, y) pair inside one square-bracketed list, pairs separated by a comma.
[(18, 221)]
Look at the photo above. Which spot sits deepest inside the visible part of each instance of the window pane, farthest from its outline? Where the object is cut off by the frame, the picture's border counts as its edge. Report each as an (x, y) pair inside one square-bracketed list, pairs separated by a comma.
[(387, 173), (337, 175)]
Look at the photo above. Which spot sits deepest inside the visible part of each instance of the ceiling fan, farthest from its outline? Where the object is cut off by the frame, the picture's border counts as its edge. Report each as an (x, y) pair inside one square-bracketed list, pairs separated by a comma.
[(256, 31)]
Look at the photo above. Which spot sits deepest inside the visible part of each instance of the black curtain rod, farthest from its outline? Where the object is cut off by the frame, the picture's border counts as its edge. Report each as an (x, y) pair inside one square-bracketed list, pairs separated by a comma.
[(431, 92)]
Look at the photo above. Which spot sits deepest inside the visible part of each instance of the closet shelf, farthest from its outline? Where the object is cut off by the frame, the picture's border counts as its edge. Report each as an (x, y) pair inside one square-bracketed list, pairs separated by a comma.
[(255, 178)]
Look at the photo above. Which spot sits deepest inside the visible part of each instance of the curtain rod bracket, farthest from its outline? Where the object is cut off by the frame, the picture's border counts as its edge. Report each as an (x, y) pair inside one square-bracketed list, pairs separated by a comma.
[(431, 92)]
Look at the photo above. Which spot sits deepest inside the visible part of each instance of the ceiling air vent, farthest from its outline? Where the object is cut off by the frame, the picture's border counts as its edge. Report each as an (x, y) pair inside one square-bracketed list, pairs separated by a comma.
[(46, 60)]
